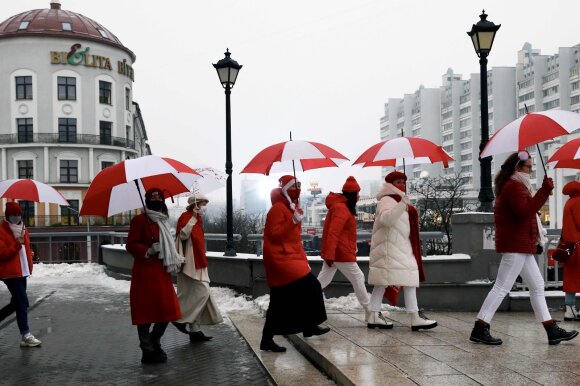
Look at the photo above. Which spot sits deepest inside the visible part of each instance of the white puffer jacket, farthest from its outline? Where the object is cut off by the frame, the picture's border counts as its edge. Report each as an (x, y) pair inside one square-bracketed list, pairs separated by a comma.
[(391, 257)]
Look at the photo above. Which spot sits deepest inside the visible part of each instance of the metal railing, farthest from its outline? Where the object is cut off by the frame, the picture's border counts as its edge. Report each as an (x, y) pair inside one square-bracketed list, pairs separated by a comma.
[(84, 139), (75, 220)]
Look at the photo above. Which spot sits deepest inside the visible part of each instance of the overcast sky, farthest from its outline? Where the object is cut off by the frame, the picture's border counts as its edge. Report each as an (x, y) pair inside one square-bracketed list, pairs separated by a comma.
[(320, 68)]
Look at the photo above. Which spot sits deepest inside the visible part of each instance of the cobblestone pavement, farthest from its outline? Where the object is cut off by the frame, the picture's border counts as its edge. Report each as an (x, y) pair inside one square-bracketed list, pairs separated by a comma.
[(87, 339)]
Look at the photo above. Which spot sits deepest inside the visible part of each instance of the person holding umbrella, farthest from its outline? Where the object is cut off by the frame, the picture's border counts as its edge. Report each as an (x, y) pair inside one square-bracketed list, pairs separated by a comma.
[(571, 233), (195, 300), (296, 301), (339, 241), (518, 236), (15, 266), (152, 296), (395, 256)]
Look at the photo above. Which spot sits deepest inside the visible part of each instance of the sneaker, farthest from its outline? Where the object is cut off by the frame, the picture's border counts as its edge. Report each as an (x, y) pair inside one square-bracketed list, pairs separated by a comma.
[(420, 322), (480, 334), (377, 320), (571, 314), (29, 341), (557, 334)]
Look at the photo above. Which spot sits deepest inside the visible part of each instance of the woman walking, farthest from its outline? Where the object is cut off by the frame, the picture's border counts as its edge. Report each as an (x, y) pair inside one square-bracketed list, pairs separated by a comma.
[(518, 235), (296, 302), (571, 233), (395, 256)]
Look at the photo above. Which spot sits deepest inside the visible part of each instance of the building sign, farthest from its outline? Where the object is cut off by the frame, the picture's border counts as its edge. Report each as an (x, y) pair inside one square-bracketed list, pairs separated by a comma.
[(78, 56)]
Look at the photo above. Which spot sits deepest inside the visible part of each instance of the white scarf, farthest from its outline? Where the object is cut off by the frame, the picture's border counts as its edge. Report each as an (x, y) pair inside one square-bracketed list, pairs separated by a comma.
[(524, 179), (171, 259), (17, 229)]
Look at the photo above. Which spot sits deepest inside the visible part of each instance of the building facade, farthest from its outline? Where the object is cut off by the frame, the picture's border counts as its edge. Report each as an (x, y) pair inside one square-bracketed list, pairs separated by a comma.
[(66, 105)]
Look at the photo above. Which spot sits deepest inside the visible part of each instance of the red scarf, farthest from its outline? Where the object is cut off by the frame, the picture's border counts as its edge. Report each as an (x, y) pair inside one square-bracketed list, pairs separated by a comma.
[(197, 239), (392, 292)]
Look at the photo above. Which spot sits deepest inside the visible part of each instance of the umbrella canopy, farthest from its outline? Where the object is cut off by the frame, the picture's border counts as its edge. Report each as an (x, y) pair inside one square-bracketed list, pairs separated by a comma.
[(568, 156), (531, 129), (31, 190), (403, 150), (213, 179), (284, 156), (122, 187)]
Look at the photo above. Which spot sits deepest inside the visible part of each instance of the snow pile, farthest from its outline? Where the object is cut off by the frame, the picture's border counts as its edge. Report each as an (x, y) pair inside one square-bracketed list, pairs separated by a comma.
[(88, 274)]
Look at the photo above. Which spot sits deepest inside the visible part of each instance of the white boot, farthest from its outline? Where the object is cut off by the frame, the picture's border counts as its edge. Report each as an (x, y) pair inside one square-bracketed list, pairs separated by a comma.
[(420, 322), (571, 314), (377, 320)]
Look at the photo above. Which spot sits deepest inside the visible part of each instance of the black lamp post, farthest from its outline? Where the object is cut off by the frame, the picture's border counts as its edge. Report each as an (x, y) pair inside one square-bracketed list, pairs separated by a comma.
[(482, 35), (227, 70)]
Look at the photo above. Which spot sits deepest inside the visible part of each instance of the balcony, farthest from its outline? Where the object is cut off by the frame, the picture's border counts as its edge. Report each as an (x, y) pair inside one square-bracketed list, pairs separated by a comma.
[(81, 139)]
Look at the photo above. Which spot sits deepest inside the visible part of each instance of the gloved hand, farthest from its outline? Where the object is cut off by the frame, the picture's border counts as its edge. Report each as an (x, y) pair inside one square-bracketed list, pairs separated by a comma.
[(153, 250), (297, 216), (548, 183)]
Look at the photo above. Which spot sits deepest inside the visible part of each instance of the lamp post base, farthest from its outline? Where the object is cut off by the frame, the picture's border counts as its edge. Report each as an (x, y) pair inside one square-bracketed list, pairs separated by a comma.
[(230, 251)]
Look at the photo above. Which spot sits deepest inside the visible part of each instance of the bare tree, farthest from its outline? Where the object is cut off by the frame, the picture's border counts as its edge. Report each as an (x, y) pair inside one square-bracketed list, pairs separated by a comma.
[(437, 199), (244, 224)]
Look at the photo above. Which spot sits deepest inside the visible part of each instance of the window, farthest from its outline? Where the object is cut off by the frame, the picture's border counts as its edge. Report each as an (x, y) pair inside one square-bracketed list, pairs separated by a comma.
[(106, 164), (575, 99), (448, 148), (67, 88), (105, 92), (465, 110), (551, 104), (67, 130), (525, 97), (464, 98), (446, 115), (69, 172), (27, 212), (448, 126), (466, 169), (23, 25), (25, 169), (447, 137), (23, 87), (103, 33), (66, 26), (464, 123), (466, 157), (550, 91), (69, 215), (466, 145), (576, 85), (105, 132), (127, 99), (24, 130)]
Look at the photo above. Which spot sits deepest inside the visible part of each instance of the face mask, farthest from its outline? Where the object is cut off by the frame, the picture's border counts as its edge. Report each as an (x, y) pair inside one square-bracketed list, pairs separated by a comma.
[(401, 187), (202, 210), (155, 205), (294, 194), (14, 219), (525, 175)]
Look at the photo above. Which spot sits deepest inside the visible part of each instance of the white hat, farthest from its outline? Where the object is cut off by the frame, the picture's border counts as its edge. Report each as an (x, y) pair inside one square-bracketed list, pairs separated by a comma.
[(197, 198)]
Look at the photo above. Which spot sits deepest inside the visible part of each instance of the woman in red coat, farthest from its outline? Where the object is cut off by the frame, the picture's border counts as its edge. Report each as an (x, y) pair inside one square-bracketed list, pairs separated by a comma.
[(296, 302), (152, 295), (15, 267), (518, 236), (570, 233)]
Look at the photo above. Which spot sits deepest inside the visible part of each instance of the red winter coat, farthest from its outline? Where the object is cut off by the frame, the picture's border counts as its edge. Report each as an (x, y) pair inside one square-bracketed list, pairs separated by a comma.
[(284, 257), (339, 233), (10, 252), (571, 232), (516, 227), (197, 238), (152, 294)]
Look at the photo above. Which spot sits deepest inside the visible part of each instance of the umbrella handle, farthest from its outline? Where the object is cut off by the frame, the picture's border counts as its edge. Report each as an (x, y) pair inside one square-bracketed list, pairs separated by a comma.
[(145, 211)]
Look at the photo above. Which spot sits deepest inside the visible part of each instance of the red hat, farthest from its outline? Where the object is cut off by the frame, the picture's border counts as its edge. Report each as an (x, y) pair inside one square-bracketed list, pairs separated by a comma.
[(285, 179), (351, 185), (12, 209), (395, 175)]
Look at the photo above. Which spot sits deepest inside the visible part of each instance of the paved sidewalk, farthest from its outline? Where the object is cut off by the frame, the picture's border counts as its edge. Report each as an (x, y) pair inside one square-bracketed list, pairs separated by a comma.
[(88, 339)]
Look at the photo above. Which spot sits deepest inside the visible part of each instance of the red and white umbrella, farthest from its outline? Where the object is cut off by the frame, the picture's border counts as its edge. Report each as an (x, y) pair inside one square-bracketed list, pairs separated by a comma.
[(568, 156), (301, 155), (121, 187), (31, 190), (531, 129), (403, 151)]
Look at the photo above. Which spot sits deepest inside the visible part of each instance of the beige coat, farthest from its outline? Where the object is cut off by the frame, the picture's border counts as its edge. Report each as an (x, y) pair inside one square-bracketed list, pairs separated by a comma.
[(184, 247)]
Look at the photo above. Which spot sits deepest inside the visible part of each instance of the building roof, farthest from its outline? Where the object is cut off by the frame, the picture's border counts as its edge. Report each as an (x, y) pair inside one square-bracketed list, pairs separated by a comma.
[(53, 22)]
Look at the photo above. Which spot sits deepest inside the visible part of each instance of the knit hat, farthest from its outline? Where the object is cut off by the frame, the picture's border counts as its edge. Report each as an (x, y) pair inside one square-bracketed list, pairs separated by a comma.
[(395, 175), (285, 180), (350, 185), (12, 209), (197, 198)]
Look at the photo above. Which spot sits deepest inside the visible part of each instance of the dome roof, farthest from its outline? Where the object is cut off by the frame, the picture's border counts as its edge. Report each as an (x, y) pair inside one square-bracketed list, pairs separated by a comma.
[(56, 22)]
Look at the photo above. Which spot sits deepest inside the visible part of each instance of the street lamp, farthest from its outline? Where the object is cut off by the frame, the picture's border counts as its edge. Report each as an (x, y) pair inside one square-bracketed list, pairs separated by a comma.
[(227, 70), (482, 35)]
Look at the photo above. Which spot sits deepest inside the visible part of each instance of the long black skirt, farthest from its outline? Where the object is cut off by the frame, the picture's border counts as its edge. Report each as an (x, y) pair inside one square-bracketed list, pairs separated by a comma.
[(295, 307)]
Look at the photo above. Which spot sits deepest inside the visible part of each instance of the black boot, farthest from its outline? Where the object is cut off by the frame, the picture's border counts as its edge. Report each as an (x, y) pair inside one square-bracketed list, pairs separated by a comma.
[(180, 327), (557, 334), (153, 356), (316, 330), (268, 344), (480, 334), (199, 336)]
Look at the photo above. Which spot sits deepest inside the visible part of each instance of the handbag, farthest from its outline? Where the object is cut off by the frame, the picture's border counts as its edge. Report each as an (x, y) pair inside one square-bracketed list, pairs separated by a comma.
[(564, 250)]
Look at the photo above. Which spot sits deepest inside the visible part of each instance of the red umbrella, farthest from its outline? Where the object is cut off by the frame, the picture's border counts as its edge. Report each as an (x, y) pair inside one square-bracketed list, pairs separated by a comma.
[(31, 190), (531, 129), (284, 156), (403, 150), (568, 156), (121, 187)]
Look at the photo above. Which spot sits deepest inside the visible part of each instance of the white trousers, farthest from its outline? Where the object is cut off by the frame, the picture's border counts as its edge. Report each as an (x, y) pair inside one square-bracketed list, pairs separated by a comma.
[(352, 272), (512, 265), (410, 294)]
